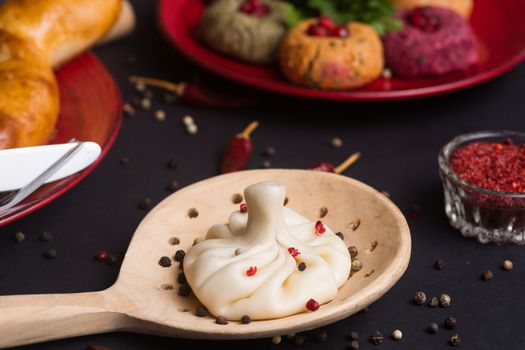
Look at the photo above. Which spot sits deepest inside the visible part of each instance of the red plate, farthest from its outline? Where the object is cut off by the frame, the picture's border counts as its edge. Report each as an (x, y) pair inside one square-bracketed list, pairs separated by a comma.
[(499, 25), (90, 110)]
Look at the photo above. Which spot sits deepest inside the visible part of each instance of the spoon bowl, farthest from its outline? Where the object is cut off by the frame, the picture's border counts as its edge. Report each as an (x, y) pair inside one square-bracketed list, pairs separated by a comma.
[(145, 297)]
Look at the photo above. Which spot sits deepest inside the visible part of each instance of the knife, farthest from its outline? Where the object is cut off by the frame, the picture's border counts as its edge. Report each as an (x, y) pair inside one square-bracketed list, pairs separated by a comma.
[(20, 166)]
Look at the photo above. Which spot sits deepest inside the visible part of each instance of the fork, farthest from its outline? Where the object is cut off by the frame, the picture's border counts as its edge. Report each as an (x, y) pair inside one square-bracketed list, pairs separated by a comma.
[(15, 197)]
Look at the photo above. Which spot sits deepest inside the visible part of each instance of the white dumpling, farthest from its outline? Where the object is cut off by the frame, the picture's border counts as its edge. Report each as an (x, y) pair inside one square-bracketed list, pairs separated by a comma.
[(217, 268)]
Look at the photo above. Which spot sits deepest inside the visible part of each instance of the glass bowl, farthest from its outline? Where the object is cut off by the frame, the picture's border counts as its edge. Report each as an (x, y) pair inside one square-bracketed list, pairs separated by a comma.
[(489, 215)]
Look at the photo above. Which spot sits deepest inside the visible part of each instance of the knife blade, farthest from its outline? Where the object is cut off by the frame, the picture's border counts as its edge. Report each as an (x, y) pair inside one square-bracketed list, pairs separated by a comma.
[(20, 166)]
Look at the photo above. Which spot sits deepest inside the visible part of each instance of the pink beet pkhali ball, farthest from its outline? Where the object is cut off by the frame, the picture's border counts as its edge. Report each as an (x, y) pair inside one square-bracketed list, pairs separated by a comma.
[(434, 41)]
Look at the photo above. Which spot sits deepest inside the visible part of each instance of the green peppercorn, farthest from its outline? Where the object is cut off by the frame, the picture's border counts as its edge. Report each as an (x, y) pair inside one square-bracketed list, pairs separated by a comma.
[(455, 340), (357, 265)]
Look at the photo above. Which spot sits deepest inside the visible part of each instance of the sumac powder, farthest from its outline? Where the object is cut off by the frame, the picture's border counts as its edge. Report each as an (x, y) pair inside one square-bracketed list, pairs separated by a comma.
[(494, 166)]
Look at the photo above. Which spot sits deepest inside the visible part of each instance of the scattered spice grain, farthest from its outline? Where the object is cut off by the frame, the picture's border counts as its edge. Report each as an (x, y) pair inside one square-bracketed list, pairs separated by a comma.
[(181, 278), (184, 290), (171, 164), (321, 336), (165, 261), (301, 266), (201, 311), (19, 236), (354, 345), (507, 265), (111, 259), (172, 186), (433, 328), (397, 335), (376, 338), (266, 164), (46, 236), (101, 255), (439, 264), (50, 253), (221, 320), (124, 161), (455, 340), (444, 300), (353, 252), (299, 339), (433, 302), (357, 265), (276, 339), (179, 255), (268, 152), (144, 204), (420, 298), (487, 275), (450, 322), (312, 305), (354, 335), (340, 235), (246, 319)]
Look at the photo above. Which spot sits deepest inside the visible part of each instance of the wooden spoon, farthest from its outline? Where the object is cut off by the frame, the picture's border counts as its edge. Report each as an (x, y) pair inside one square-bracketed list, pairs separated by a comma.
[(144, 299)]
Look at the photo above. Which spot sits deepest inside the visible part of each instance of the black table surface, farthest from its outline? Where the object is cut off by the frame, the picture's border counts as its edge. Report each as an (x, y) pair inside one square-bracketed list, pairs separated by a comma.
[(399, 141)]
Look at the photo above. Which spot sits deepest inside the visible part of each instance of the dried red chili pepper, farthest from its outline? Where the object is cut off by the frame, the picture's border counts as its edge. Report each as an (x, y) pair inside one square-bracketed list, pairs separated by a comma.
[(330, 168), (238, 150), (197, 95)]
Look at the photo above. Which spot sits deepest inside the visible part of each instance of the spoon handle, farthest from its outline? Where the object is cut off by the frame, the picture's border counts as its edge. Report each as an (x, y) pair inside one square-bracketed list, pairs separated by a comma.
[(26, 319)]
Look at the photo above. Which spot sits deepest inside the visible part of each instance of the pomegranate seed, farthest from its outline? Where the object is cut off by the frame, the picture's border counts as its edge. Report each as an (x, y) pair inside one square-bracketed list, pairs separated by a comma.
[(322, 167), (318, 30), (326, 22), (423, 19), (247, 7), (340, 31), (251, 271), (101, 256), (498, 146), (319, 227), (312, 305), (293, 251), (244, 208), (261, 11)]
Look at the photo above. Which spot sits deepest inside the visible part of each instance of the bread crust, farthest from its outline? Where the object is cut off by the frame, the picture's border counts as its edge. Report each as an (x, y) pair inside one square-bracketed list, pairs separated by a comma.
[(35, 37)]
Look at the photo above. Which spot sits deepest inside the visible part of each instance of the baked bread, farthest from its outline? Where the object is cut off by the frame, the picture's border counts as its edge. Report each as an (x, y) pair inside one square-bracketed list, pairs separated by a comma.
[(463, 7), (35, 37)]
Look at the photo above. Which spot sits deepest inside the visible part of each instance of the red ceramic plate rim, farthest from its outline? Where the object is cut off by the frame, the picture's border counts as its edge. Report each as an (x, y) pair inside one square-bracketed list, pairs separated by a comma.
[(75, 179), (331, 95)]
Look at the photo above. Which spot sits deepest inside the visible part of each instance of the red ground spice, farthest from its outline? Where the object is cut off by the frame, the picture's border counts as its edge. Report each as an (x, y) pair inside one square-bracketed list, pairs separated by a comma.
[(251, 271), (494, 166)]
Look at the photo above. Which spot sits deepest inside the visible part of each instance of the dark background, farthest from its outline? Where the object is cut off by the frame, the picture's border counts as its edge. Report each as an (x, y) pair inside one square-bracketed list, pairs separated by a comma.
[(399, 142)]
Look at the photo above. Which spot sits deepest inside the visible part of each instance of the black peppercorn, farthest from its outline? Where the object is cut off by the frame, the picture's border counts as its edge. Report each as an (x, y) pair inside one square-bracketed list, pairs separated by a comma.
[(450, 322), (455, 340), (299, 339), (433, 302), (354, 345), (172, 186), (171, 164), (46, 236), (269, 152), (181, 278), (246, 319), (420, 298), (439, 264), (50, 253), (179, 255), (165, 261), (354, 335), (301, 266), (487, 275), (433, 328), (340, 235), (201, 311), (353, 252), (221, 320), (376, 338), (321, 336), (111, 259), (184, 290), (144, 204)]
